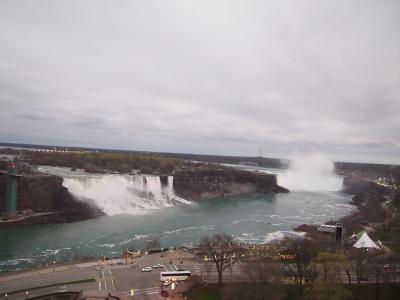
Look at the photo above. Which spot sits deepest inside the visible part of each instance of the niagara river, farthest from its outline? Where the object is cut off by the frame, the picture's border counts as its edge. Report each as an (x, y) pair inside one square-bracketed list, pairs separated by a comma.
[(138, 208)]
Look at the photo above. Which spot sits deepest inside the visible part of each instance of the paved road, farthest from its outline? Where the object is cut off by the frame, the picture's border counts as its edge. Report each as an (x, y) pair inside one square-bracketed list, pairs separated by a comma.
[(115, 276), (36, 280), (72, 288)]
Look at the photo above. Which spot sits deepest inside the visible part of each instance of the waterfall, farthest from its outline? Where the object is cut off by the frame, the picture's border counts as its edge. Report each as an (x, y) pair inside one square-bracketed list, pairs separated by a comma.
[(170, 187), (124, 194)]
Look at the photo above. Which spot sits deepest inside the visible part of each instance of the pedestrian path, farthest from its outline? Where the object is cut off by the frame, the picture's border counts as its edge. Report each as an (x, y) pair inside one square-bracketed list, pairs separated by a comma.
[(153, 291), (106, 279), (171, 268), (148, 291), (34, 273)]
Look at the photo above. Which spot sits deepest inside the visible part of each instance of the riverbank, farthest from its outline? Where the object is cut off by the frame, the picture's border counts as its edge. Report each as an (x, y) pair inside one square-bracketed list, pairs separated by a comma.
[(42, 199), (371, 200)]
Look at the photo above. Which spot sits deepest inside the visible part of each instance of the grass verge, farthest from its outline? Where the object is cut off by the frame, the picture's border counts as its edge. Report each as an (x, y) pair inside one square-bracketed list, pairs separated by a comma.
[(210, 292), (364, 292), (89, 280)]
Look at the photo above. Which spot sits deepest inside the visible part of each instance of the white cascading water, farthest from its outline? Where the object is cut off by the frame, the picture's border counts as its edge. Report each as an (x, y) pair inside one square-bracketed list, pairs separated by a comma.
[(124, 194), (313, 172), (170, 186)]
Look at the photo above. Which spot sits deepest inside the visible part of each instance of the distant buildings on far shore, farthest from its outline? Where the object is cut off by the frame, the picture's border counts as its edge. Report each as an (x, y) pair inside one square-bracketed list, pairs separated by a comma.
[(55, 150)]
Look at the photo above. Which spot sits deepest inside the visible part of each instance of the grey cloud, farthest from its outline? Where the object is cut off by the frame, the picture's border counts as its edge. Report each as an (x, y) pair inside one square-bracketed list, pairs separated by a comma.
[(31, 116), (223, 77)]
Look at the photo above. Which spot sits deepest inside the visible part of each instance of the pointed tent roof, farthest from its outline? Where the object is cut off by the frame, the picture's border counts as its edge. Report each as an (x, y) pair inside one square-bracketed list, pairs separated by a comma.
[(365, 242)]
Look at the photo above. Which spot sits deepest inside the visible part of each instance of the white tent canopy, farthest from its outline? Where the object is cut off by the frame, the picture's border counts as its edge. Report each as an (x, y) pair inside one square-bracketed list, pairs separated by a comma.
[(365, 242)]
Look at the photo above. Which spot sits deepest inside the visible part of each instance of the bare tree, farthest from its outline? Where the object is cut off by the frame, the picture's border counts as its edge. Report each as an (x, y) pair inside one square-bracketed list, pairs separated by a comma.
[(331, 265), (393, 265), (377, 263), (222, 250), (360, 263), (328, 283), (265, 274), (302, 269)]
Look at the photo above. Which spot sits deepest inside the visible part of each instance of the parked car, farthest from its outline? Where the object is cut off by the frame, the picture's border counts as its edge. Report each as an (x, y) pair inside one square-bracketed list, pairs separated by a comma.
[(147, 269), (158, 266)]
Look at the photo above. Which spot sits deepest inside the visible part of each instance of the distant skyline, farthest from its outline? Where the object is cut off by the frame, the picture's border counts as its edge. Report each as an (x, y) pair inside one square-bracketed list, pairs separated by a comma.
[(204, 77)]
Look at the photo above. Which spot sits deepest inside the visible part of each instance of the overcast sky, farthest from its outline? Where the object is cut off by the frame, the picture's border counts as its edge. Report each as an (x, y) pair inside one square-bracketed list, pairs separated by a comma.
[(213, 77)]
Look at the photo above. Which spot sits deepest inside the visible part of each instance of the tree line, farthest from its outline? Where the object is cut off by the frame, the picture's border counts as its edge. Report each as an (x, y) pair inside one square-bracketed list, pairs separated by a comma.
[(316, 271), (97, 162)]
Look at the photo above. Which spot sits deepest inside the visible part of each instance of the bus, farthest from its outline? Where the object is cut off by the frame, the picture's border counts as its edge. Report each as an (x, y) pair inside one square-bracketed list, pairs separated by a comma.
[(175, 275)]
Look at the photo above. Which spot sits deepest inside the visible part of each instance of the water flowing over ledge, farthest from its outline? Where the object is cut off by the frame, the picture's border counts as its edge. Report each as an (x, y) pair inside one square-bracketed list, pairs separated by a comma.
[(124, 194)]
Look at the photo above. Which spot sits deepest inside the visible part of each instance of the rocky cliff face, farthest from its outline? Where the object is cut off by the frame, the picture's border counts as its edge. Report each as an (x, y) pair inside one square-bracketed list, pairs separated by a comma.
[(368, 197), (45, 194), (203, 184), (34, 192), (48, 201), (355, 185)]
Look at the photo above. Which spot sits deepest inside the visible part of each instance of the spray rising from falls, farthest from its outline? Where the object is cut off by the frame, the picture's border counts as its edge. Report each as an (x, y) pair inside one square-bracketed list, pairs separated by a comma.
[(312, 172), (124, 194)]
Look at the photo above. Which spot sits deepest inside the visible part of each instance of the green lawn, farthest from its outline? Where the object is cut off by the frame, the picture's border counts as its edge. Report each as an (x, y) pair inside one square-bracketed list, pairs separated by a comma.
[(368, 292), (364, 292), (390, 238), (211, 292), (214, 292), (51, 285)]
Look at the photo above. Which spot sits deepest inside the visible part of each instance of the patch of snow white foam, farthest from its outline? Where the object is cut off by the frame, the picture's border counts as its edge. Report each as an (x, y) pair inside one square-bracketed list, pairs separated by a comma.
[(142, 236), (247, 237), (107, 245), (14, 262), (48, 252), (275, 237)]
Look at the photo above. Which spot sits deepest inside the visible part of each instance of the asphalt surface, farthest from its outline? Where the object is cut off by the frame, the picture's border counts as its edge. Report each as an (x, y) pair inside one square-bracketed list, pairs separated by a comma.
[(117, 276)]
